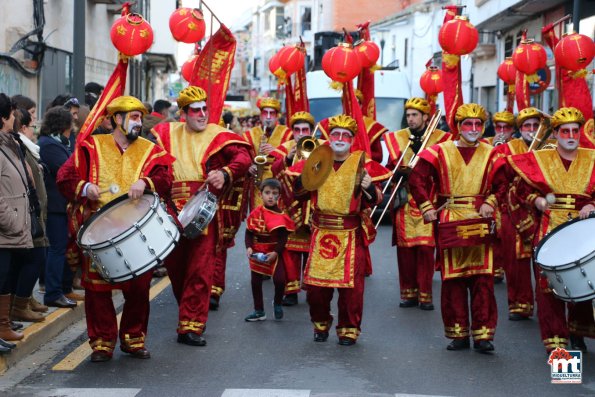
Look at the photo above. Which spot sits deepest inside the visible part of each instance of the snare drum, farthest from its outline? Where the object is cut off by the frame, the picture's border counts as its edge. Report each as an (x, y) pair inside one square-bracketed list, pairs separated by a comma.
[(127, 238), (198, 212), (566, 257)]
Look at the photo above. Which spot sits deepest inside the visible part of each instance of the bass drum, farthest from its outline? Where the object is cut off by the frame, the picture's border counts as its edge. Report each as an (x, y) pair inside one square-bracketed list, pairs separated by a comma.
[(127, 238), (566, 257)]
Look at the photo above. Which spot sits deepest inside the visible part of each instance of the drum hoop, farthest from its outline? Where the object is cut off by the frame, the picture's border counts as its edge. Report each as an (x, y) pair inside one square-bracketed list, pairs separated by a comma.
[(153, 263), (574, 263), (577, 299), (126, 233)]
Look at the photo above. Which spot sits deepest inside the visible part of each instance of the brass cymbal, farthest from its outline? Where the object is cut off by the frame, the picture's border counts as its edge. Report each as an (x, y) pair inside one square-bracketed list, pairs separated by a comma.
[(360, 171), (317, 168)]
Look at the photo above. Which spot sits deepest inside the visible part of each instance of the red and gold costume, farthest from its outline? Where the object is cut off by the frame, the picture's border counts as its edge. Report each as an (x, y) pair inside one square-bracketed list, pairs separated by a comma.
[(415, 240), (510, 250), (573, 184), (192, 263), (101, 161), (263, 223), (341, 233), (460, 175), (255, 137)]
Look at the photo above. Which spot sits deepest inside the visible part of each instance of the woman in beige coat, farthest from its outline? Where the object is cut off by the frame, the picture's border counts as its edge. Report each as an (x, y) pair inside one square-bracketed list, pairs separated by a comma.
[(15, 226)]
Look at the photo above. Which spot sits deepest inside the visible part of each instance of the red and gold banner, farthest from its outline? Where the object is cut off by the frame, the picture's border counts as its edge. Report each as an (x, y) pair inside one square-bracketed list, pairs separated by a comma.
[(451, 76), (365, 80), (213, 68), (300, 93), (522, 91)]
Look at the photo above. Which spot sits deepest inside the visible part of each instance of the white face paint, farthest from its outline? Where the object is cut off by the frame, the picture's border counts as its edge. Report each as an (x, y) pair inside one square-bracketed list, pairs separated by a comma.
[(340, 140), (133, 125), (568, 136), (340, 147)]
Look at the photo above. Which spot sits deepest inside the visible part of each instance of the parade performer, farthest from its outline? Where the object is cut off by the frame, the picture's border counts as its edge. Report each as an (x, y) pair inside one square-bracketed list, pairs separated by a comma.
[(567, 173), (206, 154), (136, 165), (267, 228), (459, 171), (341, 233), (510, 251), (298, 242), (415, 240), (263, 141)]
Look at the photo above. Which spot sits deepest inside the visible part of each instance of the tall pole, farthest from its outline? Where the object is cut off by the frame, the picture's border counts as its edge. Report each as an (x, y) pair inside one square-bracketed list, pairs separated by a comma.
[(576, 11), (78, 50)]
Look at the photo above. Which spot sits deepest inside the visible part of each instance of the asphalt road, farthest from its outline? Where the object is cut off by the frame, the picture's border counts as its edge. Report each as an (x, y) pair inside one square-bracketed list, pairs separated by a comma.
[(400, 352)]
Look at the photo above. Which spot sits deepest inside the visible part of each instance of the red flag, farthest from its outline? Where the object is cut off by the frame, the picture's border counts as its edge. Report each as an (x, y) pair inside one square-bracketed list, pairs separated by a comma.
[(451, 75), (352, 108), (300, 92), (365, 80), (212, 70)]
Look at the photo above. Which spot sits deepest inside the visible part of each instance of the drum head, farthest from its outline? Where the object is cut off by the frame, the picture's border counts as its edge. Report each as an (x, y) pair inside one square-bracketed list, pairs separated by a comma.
[(567, 243), (192, 208), (115, 218)]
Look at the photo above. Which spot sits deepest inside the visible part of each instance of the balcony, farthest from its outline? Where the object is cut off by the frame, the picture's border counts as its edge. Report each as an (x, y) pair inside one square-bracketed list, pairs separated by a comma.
[(486, 47)]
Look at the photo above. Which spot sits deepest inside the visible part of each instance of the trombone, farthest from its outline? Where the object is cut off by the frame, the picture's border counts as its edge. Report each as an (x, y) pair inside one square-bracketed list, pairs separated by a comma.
[(432, 125), (542, 133)]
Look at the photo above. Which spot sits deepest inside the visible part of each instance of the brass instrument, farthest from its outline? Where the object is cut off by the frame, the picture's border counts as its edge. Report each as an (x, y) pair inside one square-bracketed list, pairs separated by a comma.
[(542, 134), (317, 168), (432, 125), (499, 139), (305, 146), (260, 160)]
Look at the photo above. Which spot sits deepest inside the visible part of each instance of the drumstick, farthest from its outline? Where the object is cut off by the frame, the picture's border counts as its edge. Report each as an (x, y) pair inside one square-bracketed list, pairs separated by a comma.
[(114, 188), (443, 205), (550, 198)]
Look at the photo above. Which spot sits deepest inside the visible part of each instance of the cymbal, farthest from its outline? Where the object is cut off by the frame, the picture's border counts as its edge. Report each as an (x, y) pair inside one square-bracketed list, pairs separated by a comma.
[(317, 168), (360, 171)]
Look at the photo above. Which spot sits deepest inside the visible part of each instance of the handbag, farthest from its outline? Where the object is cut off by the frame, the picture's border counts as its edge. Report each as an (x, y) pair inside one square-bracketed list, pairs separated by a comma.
[(36, 228)]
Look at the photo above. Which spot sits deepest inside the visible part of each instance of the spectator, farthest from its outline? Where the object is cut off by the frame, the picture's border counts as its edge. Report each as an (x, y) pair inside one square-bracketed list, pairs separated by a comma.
[(25, 271), (23, 102), (161, 109), (54, 151), (15, 232), (148, 107), (82, 117), (92, 92)]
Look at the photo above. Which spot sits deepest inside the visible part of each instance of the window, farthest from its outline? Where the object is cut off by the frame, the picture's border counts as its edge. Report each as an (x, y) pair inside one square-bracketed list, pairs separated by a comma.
[(405, 52), (279, 22), (306, 19), (267, 20), (393, 48), (508, 46)]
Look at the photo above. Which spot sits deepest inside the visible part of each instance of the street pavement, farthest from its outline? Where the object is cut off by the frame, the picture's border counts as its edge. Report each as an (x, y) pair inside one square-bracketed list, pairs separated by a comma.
[(400, 352)]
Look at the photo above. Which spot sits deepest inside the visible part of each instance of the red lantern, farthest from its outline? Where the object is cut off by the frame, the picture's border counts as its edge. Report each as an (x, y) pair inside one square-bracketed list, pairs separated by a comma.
[(187, 25), (431, 81), (458, 36), (507, 71), (529, 57), (188, 67), (574, 52), (368, 53), (341, 63), (132, 35), (291, 59)]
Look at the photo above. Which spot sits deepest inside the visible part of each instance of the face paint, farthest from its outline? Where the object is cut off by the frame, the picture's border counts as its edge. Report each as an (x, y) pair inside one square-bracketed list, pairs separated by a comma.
[(471, 130)]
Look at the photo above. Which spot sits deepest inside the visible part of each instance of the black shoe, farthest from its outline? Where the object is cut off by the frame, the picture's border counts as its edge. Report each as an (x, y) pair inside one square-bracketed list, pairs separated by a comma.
[(320, 336), (5, 349), (15, 326), (290, 300), (214, 304), (346, 342), (578, 343), (483, 346), (99, 356), (458, 344), (63, 302), (408, 303), (141, 353), (192, 339), (517, 317), (6, 344), (426, 306)]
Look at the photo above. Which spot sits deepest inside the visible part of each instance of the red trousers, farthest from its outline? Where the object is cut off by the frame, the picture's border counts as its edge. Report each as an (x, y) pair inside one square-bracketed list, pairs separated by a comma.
[(102, 324), (218, 286), (293, 270), (519, 285), (416, 269), (350, 303), (455, 307), (190, 268)]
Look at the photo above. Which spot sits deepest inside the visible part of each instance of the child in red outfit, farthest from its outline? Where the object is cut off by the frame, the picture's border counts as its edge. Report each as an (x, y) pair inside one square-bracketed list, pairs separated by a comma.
[(267, 228)]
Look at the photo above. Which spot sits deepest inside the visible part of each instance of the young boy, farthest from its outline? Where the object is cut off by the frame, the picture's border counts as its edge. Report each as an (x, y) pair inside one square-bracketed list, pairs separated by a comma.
[(267, 228)]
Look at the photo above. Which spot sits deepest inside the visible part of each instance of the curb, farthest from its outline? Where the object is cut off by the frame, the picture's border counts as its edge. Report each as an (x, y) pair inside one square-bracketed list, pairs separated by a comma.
[(37, 334)]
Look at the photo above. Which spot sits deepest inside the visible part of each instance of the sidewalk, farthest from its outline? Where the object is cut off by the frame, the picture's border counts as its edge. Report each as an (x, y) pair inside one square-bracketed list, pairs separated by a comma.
[(37, 334)]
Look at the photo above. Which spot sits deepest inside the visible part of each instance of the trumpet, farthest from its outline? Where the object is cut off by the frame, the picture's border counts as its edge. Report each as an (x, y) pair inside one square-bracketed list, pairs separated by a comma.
[(305, 146), (499, 139), (260, 160)]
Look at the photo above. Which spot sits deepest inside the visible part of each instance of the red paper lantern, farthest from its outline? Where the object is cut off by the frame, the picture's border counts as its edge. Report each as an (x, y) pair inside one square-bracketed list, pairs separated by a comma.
[(431, 81), (529, 57), (132, 35), (458, 36), (291, 59), (574, 52), (188, 67), (341, 63), (507, 71), (368, 53), (187, 25)]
